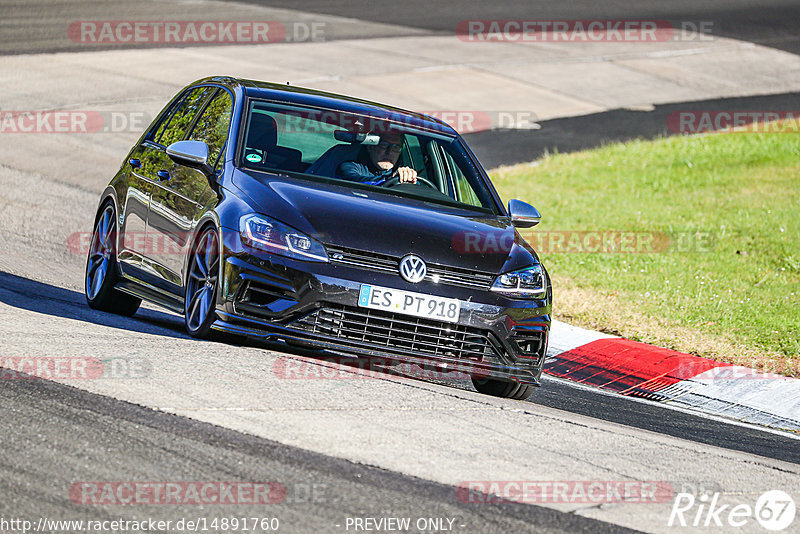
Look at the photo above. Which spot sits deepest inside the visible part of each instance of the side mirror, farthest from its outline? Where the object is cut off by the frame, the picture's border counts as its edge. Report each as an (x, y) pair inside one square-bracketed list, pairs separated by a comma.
[(193, 154), (523, 215)]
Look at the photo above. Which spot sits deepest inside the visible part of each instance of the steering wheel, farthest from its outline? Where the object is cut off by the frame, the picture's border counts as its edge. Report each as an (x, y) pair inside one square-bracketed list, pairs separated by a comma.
[(391, 182)]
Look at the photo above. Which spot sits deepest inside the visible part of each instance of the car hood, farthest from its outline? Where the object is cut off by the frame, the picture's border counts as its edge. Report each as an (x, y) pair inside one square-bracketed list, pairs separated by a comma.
[(386, 224)]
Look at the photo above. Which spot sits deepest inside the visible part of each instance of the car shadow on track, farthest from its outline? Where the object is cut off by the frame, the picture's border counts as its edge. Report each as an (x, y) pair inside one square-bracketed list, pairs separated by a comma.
[(296, 361), (41, 297)]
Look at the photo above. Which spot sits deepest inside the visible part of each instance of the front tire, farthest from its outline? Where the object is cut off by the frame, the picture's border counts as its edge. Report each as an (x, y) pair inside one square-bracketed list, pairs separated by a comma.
[(502, 388), (102, 271), (201, 285)]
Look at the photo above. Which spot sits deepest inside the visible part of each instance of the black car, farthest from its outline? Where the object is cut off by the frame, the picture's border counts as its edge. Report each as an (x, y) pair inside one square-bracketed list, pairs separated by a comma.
[(262, 210)]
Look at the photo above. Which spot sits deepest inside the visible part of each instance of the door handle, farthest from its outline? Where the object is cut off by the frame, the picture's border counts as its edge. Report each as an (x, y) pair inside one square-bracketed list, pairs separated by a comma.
[(163, 175), (135, 163)]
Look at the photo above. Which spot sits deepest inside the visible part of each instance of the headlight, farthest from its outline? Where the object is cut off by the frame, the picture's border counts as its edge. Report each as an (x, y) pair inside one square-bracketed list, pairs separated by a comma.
[(528, 283), (265, 233)]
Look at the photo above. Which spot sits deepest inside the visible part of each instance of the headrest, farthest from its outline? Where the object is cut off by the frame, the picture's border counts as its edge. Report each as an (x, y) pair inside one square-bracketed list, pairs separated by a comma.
[(263, 132)]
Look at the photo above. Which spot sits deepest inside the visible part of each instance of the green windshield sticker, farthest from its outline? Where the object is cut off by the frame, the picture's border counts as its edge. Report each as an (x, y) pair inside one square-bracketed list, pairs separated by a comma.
[(253, 158)]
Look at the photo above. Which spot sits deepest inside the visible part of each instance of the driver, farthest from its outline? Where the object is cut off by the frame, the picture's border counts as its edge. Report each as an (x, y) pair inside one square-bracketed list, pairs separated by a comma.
[(376, 164)]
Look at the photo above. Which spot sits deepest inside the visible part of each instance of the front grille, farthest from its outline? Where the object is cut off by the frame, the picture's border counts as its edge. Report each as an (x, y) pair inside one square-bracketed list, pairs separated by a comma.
[(391, 332), (363, 260), (439, 274)]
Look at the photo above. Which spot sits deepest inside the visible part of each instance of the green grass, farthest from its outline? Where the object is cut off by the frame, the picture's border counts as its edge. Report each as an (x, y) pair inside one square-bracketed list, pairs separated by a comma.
[(738, 192)]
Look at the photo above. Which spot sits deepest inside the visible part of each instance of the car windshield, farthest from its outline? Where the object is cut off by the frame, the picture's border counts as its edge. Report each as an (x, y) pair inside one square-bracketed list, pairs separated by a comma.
[(392, 155)]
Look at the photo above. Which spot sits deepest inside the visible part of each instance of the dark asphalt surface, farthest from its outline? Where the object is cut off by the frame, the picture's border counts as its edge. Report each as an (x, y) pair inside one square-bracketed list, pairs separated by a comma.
[(772, 23), (41, 25), (656, 418), (55, 436), (505, 147)]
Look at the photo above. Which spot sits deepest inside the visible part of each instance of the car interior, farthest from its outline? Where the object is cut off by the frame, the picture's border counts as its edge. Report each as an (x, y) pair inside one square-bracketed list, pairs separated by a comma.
[(278, 141)]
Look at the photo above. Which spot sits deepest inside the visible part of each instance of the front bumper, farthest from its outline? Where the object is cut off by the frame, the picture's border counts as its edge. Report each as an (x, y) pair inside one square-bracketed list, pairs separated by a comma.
[(277, 298)]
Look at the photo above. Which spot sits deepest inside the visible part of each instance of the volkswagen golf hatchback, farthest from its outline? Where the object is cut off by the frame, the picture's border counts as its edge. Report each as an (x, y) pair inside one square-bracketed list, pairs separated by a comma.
[(294, 215)]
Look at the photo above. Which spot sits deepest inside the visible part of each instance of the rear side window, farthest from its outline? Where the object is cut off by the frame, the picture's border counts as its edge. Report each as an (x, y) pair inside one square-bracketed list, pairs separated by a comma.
[(463, 189), (174, 129), (212, 126)]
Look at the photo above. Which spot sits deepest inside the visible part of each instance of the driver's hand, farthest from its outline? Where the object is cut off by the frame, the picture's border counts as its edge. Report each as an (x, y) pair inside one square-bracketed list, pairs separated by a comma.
[(407, 175)]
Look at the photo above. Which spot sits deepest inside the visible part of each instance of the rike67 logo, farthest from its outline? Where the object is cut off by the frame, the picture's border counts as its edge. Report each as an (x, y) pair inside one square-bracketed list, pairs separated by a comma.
[(774, 510)]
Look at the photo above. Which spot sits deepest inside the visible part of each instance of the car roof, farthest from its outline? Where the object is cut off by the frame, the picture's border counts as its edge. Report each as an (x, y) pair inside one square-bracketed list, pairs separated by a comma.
[(321, 99)]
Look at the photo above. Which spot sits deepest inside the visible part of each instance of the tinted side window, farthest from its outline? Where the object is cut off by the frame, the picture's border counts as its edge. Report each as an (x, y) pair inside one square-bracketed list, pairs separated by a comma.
[(158, 129), (175, 129), (212, 126)]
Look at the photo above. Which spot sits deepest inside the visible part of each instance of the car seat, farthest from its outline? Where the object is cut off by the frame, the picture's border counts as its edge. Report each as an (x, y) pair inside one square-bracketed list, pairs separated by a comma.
[(328, 162), (262, 141)]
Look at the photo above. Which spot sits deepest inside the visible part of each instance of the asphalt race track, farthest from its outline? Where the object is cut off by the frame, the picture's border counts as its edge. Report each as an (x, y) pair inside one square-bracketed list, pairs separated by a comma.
[(179, 410), (117, 440), (773, 24)]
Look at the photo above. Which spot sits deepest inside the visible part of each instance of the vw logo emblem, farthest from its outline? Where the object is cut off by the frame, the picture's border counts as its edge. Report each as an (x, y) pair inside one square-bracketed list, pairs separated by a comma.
[(413, 269)]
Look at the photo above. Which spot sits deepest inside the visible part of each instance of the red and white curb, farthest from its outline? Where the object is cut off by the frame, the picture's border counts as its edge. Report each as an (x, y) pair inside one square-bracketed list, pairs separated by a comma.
[(641, 370)]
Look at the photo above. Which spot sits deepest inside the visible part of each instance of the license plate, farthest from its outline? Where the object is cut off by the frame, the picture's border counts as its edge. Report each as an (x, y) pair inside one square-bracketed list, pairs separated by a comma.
[(409, 303)]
